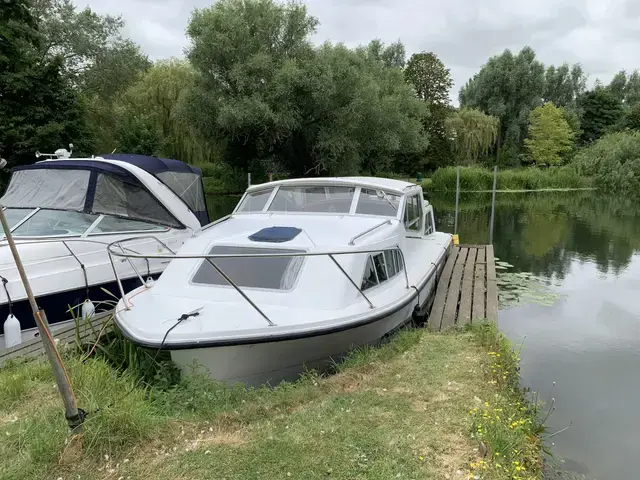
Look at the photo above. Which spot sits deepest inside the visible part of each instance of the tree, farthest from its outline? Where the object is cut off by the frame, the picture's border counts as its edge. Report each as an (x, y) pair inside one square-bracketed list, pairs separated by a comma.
[(632, 120), (626, 88), (472, 132), (432, 82), (263, 91), (150, 114), (429, 77), (39, 109), (507, 87), (563, 85), (600, 110), (550, 136), (99, 62)]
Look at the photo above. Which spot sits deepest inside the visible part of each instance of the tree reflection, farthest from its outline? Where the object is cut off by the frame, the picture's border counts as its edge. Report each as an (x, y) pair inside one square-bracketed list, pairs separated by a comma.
[(545, 232)]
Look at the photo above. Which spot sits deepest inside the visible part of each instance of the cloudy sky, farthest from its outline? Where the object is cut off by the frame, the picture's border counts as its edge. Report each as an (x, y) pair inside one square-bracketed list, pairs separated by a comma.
[(602, 35)]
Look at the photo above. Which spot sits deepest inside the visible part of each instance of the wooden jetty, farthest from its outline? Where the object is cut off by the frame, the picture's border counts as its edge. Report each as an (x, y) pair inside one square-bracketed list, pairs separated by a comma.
[(65, 335), (467, 290)]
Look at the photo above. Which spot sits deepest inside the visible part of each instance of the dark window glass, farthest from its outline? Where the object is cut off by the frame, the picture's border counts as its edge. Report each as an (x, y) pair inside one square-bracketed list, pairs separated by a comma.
[(389, 259), (370, 279), (277, 273), (378, 261)]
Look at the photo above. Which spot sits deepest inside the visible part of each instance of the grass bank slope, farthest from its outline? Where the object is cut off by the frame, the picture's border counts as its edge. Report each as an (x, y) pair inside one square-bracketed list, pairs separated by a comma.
[(425, 405)]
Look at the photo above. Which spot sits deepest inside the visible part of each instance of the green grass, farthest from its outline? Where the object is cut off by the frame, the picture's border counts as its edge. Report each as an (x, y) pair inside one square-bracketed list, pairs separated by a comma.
[(481, 179), (404, 410)]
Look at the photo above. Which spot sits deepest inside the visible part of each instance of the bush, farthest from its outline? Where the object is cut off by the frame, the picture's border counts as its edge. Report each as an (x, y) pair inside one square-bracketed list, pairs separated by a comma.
[(479, 179), (613, 161)]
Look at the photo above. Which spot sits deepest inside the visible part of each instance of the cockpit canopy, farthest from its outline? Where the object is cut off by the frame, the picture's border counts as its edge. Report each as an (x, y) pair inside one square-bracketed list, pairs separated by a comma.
[(70, 195)]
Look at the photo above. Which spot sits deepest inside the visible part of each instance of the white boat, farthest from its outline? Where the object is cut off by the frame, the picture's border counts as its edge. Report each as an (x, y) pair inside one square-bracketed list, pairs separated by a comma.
[(302, 271), (63, 212)]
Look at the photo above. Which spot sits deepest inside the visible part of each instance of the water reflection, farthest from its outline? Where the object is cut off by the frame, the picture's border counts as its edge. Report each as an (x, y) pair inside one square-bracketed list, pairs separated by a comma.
[(588, 342), (544, 233)]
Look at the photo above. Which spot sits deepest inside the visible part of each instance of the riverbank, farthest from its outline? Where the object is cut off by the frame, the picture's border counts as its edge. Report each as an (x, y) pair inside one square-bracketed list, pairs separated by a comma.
[(425, 405), (528, 179)]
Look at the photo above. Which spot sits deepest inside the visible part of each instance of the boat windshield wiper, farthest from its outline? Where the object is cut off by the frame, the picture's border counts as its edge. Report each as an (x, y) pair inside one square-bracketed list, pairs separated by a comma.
[(382, 194)]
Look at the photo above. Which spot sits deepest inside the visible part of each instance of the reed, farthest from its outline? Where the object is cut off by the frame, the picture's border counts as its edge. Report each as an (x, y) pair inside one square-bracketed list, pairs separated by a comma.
[(476, 179)]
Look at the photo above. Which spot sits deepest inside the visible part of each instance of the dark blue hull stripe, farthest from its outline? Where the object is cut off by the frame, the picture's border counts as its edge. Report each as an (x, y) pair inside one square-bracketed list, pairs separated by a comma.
[(56, 305)]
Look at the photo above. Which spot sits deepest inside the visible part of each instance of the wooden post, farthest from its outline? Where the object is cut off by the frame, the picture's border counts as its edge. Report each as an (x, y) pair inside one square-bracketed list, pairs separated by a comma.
[(455, 225), (493, 203), (270, 177), (73, 416)]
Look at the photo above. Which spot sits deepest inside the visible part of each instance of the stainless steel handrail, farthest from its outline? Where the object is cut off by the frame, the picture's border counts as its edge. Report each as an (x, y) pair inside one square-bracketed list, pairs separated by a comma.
[(209, 257), (368, 230)]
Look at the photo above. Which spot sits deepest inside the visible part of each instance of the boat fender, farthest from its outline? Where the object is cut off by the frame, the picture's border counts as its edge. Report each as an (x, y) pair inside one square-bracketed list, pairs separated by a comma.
[(88, 309), (12, 331), (150, 282), (419, 318)]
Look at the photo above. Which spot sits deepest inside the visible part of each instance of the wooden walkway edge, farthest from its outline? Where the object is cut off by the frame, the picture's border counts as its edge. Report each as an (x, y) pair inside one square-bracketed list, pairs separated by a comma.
[(467, 290), (65, 335)]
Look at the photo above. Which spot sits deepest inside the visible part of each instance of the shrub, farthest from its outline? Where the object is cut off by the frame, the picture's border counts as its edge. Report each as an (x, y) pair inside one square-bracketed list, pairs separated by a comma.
[(613, 161)]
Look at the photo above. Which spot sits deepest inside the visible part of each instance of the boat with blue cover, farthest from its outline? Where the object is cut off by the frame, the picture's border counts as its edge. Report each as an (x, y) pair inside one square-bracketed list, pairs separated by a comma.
[(63, 212)]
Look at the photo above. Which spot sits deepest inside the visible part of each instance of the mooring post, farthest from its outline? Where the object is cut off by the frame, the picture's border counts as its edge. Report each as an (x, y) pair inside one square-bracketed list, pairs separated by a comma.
[(248, 179), (493, 203), (73, 415), (455, 225)]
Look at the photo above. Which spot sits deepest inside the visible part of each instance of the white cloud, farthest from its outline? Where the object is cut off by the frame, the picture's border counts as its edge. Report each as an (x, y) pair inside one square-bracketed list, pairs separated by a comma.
[(464, 34)]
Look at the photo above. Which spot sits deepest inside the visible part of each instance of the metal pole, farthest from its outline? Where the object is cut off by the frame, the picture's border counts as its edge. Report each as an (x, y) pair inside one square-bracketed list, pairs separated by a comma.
[(455, 226), (62, 380), (493, 203), (249, 179)]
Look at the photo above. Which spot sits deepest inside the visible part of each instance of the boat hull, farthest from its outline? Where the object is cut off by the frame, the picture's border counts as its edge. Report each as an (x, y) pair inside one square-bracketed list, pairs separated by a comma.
[(284, 360)]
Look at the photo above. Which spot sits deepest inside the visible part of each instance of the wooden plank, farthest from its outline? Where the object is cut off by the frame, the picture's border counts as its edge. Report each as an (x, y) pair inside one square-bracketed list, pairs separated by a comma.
[(492, 286), (435, 317), (479, 287), (466, 294), (451, 303), (65, 335)]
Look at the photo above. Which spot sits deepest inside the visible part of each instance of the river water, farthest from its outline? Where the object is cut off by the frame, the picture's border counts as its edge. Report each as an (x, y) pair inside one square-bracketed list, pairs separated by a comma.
[(581, 338)]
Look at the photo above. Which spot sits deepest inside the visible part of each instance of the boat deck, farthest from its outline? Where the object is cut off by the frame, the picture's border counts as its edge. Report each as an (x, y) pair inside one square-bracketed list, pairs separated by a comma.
[(467, 289), (66, 335)]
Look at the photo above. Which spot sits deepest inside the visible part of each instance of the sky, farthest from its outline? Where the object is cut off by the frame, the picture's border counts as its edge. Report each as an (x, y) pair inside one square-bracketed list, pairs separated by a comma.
[(602, 35)]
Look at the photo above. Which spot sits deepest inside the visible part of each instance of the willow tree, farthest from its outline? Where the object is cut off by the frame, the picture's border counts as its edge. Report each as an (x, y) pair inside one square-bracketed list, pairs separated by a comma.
[(472, 133), (150, 116)]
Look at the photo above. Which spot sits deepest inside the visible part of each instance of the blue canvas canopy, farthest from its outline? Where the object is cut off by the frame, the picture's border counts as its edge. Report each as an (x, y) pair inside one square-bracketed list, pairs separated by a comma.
[(183, 179)]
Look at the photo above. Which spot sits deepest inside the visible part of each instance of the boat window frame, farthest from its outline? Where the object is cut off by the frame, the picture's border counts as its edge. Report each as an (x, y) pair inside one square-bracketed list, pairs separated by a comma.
[(88, 231), (193, 272), (370, 257), (408, 224), (352, 210)]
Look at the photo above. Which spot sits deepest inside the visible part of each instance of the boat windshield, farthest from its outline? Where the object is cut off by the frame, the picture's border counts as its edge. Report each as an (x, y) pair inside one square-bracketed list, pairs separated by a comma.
[(313, 199), (54, 223), (15, 216)]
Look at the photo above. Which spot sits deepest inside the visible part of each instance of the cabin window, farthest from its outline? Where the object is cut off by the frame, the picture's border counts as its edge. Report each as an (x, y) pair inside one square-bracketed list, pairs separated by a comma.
[(275, 273), (55, 223), (428, 226), (413, 213), (255, 201), (377, 202), (116, 224), (381, 267), (313, 199)]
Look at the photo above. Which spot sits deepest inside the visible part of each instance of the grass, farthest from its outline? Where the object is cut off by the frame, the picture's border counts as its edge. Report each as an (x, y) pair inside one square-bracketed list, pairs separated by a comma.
[(476, 179), (422, 406)]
